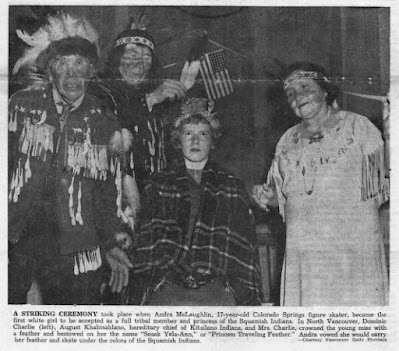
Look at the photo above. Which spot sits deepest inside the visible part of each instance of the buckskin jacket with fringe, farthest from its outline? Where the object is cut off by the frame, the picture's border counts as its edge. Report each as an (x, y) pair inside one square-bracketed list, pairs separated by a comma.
[(219, 244), (147, 154), (77, 176)]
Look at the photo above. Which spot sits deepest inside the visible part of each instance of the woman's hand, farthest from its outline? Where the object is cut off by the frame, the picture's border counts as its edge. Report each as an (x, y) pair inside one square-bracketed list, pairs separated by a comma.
[(264, 196)]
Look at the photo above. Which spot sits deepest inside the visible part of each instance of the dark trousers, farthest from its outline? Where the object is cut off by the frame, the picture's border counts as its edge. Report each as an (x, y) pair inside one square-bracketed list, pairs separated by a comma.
[(37, 257), (21, 270), (57, 281), (60, 286)]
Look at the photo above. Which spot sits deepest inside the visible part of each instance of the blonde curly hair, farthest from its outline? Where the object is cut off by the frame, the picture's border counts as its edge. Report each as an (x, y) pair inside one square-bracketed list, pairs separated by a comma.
[(195, 111)]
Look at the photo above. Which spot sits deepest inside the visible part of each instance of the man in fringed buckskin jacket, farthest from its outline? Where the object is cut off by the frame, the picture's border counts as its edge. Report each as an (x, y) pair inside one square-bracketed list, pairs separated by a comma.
[(65, 178)]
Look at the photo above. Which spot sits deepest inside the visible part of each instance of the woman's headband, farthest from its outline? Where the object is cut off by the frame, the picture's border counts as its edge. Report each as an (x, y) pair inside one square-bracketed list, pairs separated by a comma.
[(134, 40), (304, 74)]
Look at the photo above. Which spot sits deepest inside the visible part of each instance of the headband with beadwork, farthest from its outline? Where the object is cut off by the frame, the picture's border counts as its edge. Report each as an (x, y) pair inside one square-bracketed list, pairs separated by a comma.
[(303, 74), (135, 40)]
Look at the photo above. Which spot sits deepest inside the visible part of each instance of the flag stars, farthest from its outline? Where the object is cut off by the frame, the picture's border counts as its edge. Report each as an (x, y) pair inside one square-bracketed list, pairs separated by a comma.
[(215, 75)]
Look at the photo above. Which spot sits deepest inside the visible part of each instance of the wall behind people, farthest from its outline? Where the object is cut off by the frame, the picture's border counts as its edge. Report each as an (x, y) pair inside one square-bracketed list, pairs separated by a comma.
[(258, 41)]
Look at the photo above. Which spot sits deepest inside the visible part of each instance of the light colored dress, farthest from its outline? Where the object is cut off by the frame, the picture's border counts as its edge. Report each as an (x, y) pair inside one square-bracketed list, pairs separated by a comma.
[(329, 191)]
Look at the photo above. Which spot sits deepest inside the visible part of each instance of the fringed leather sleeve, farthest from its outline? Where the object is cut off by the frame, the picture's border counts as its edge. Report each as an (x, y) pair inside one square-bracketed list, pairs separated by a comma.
[(374, 183)]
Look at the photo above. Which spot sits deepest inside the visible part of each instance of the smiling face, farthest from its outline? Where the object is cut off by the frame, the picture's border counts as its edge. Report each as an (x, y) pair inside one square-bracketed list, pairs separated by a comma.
[(196, 141), (135, 63), (306, 98), (70, 75)]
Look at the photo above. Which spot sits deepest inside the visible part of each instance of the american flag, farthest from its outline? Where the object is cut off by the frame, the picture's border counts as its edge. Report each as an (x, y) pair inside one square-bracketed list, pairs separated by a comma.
[(215, 75)]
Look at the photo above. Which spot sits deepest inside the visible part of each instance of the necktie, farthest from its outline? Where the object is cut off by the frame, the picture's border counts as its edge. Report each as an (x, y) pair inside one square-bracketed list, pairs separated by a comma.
[(63, 118), (50, 186), (64, 115)]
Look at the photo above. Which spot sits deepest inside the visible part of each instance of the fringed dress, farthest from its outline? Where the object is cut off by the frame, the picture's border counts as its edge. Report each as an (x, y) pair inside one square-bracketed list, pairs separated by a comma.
[(329, 192)]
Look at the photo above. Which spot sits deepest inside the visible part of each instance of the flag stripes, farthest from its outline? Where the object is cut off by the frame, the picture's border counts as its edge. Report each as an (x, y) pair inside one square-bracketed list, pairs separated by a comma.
[(216, 77)]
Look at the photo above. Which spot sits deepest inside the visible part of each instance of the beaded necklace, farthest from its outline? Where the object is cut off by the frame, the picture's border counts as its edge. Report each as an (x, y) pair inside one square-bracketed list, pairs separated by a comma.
[(318, 138)]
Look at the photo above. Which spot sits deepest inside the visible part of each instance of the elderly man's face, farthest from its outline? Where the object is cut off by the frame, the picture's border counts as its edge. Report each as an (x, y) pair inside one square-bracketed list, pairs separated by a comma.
[(70, 75), (135, 63)]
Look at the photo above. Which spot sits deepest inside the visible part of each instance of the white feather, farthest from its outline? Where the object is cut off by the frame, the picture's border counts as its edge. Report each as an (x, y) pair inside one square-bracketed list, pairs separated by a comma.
[(116, 143), (130, 191), (58, 27), (140, 21), (127, 137), (131, 195), (38, 42), (29, 57), (55, 28), (211, 105), (184, 72), (191, 74), (88, 32), (17, 66), (70, 25)]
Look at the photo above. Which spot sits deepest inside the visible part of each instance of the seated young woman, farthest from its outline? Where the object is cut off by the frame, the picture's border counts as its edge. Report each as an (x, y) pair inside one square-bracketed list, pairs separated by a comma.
[(196, 244)]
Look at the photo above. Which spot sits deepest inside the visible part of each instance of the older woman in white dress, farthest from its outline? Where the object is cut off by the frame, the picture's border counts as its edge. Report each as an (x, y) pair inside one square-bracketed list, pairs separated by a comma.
[(327, 178)]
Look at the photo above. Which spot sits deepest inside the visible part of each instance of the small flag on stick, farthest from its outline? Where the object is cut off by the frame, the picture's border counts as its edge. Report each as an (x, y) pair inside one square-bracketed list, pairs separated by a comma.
[(215, 75)]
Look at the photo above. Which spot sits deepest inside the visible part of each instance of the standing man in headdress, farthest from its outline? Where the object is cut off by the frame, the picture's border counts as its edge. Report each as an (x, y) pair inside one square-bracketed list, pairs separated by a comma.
[(65, 176), (141, 98)]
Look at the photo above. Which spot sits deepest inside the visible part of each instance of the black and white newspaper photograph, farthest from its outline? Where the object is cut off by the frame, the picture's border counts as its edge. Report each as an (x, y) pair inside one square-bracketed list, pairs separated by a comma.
[(199, 174)]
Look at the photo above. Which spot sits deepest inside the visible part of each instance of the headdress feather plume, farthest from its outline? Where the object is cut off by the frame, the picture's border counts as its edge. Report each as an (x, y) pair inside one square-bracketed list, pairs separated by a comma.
[(194, 105), (38, 42), (60, 26), (139, 20)]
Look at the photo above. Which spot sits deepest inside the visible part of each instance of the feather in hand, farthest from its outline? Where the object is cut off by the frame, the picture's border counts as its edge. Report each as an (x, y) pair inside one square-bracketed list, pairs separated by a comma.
[(120, 143), (189, 73)]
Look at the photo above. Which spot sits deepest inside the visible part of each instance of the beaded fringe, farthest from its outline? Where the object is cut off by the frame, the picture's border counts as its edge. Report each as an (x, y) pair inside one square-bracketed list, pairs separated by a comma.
[(373, 178), (154, 163), (118, 184), (87, 260), (93, 160), (37, 139), (20, 177), (75, 217)]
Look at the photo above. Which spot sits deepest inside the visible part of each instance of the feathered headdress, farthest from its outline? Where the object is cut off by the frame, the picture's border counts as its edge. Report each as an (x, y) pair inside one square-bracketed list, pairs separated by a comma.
[(138, 19), (193, 106), (60, 26), (136, 33)]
